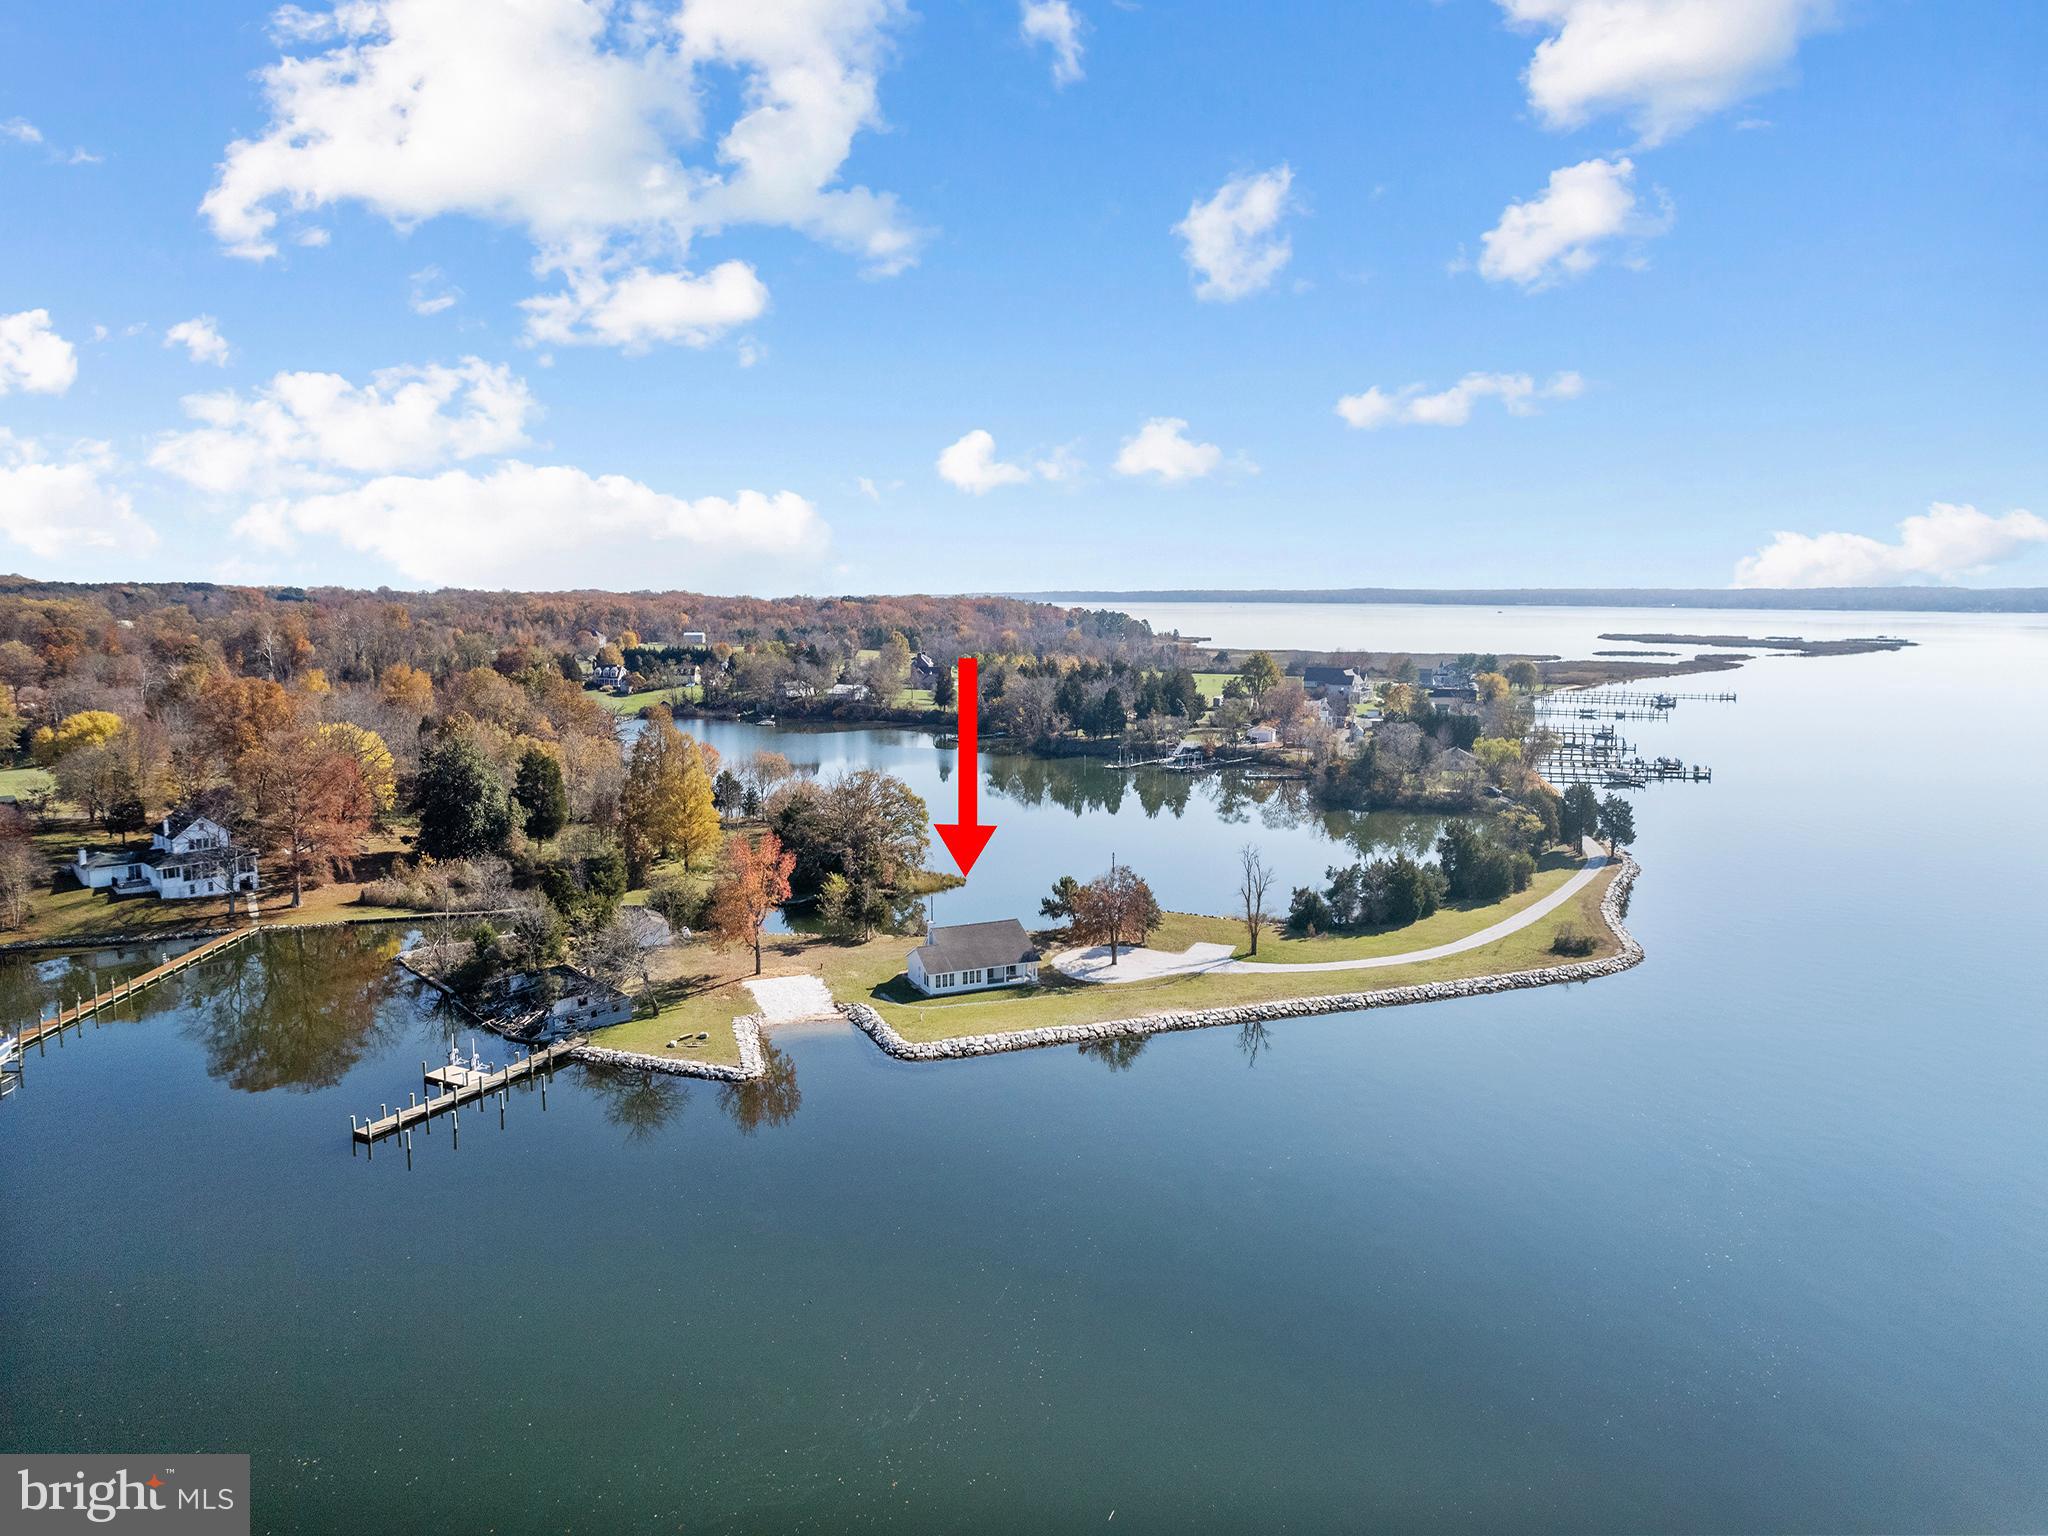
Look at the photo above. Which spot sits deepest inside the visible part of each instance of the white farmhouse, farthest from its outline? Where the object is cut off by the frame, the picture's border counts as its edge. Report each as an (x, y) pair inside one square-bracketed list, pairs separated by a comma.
[(971, 957), (189, 857)]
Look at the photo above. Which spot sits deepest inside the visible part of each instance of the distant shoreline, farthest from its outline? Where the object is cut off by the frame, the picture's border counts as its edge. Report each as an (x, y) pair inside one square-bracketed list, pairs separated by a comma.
[(1806, 599)]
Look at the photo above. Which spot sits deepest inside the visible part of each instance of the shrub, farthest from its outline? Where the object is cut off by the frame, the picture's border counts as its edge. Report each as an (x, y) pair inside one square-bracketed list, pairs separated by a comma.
[(1572, 940)]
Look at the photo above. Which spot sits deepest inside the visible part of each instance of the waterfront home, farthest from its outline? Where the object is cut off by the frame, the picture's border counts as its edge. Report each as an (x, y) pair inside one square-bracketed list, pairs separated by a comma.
[(1344, 687), (608, 676), (972, 957), (1261, 736), (924, 672), (799, 690), (1456, 763), (856, 693), (187, 857)]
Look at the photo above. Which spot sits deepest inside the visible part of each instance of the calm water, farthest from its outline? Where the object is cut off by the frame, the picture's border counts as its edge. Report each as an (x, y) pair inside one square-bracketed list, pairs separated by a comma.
[(1752, 1237)]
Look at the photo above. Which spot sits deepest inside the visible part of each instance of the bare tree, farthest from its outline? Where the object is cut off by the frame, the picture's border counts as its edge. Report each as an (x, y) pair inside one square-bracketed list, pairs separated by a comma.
[(1254, 883)]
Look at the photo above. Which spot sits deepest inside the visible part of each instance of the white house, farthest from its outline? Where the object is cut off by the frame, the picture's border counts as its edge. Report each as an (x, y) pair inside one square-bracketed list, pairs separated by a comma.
[(694, 637), (192, 857), (609, 675), (1262, 736), (972, 957), (853, 692)]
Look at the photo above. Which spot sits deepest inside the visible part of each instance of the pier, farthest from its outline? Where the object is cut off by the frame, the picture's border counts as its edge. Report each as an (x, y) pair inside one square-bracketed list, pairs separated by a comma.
[(456, 1084), (83, 1007)]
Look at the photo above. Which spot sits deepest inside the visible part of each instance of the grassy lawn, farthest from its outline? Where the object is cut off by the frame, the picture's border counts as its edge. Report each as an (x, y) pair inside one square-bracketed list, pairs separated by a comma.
[(1446, 924), (633, 703), (83, 915), (26, 781), (702, 988), (1212, 684), (872, 972), (1070, 1002)]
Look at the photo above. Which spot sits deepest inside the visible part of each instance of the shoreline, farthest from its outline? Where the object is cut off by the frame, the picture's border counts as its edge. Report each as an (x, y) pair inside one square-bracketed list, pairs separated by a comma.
[(878, 1029)]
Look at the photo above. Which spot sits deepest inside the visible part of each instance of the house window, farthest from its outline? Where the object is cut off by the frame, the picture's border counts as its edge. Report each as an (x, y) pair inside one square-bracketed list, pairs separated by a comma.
[(974, 978)]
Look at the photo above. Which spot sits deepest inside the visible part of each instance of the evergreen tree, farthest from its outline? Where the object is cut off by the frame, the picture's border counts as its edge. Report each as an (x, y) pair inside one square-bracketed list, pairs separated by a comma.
[(541, 794), (462, 804)]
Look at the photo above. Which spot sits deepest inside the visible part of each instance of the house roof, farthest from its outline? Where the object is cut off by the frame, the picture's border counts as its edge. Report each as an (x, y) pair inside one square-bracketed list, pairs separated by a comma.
[(1329, 676), (975, 946)]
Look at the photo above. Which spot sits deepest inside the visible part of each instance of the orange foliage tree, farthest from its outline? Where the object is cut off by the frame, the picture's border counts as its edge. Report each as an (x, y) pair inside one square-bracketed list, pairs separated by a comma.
[(752, 883)]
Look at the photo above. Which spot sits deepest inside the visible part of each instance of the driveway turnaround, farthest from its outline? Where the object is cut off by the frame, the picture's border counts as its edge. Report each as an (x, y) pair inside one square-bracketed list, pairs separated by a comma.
[(1143, 964)]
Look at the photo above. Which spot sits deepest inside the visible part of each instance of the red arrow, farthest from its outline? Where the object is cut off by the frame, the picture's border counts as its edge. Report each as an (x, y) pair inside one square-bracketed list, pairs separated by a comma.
[(967, 837)]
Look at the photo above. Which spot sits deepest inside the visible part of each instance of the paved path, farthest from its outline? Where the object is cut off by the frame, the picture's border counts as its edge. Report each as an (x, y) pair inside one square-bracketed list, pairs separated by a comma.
[(1206, 959)]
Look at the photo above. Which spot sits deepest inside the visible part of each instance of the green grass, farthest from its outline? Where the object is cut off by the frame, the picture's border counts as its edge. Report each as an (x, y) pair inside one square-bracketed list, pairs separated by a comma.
[(1060, 1001), (1442, 927), (872, 973), (633, 703), (26, 781), (80, 914), (1212, 684)]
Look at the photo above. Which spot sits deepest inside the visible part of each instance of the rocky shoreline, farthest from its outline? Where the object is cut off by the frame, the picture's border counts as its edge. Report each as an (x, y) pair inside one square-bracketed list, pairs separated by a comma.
[(746, 1033), (883, 1034)]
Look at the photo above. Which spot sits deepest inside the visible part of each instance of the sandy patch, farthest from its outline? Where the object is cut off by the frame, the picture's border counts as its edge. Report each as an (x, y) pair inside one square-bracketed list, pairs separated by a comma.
[(785, 999)]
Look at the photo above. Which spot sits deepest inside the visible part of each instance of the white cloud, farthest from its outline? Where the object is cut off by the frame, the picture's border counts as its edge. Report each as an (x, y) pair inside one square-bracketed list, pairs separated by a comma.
[(33, 357), (641, 307), (201, 338), (1941, 544), (1054, 23), (432, 292), (412, 109), (21, 130), (53, 506), (1233, 247), (544, 525), (301, 431), (1162, 449), (1664, 63), (971, 465), (1414, 406), (1559, 232)]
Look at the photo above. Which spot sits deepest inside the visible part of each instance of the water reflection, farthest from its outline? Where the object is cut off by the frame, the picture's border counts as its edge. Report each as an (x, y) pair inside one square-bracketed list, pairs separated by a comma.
[(1116, 1052), (295, 1009), (640, 1103), (770, 1099), (1252, 1038)]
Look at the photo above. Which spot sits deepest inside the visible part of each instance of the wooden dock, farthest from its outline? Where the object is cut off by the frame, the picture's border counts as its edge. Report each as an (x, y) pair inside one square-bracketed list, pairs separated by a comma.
[(458, 1084), (83, 1008)]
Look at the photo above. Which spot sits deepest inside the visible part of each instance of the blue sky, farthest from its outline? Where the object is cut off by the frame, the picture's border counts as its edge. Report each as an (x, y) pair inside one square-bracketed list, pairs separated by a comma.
[(609, 311)]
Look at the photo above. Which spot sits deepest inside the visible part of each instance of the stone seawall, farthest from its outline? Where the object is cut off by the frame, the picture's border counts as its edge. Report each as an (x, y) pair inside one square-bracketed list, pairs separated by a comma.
[(883, 1034), (746, 1034)]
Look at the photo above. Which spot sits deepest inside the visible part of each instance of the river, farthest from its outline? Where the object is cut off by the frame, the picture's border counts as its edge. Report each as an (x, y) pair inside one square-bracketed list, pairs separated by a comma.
[(1753, 1237)]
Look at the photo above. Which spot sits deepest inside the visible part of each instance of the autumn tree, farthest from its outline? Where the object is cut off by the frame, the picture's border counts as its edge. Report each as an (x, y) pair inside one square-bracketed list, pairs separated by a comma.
[(541, 793), (666, 808), (306, 801), (373, 763), (1492, 687), (1525, 675), (461, 802), (752, 883), (86, 728), (407, 690), (1116, 909)]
